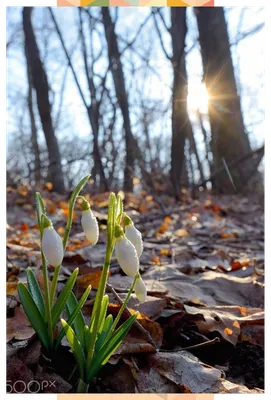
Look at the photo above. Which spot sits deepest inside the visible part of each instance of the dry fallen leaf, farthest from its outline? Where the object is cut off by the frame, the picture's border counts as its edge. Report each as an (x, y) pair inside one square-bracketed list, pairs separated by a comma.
[(185, 370), (181, 233), (18, 326), (227, 320), (92, 279)]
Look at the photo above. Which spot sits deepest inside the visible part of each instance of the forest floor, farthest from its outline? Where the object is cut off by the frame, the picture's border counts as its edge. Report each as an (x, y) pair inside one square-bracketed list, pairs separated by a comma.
[(203, 264)]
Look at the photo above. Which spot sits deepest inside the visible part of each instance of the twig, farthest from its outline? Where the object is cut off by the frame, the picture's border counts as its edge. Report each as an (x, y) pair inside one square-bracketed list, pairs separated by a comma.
[(233, 164), (195, 346), (136, 323)]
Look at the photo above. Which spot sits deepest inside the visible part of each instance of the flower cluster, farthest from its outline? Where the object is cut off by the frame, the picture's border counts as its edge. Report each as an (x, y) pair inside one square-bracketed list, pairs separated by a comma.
[(128, 247), (94, 343)]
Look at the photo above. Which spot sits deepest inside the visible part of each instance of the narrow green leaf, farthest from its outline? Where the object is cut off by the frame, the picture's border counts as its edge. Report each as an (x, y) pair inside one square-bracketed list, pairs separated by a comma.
[(229, 174), (79, 322), (76, 348), (34, 315), (87, 339), (63, 297), (35, 291), (103, 336), (119, 209), (111, 217), (73, 315), (103, 311), (110, 346)]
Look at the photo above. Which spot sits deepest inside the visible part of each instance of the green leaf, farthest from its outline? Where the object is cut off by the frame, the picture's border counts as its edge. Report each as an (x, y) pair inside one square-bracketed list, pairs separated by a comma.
[(76, 348), (76, 319), (110, 346), (87, 339), (119, 209), (63, 297), (103, 311), (79, 322), (111, 217), (34, 315), (35, 291), (229, 174), (103, 336)]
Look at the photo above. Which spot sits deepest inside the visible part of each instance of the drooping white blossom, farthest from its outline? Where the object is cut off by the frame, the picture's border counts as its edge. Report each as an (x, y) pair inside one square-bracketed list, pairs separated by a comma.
[(90, 226), (52, 246), (127, 256), (135, 237), (140, 290)]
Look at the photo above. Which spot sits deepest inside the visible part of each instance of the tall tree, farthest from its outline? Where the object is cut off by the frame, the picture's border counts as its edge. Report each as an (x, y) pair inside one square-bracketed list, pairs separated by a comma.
[(34, 133), (116, 69), (229, 139), (181, 126), (41, 86)]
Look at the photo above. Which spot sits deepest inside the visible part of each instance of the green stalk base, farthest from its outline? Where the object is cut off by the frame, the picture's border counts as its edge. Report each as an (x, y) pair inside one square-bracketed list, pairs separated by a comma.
[(82, 387)]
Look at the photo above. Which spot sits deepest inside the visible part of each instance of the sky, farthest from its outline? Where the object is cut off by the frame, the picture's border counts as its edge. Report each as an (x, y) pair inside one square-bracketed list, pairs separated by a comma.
[(248, 58)]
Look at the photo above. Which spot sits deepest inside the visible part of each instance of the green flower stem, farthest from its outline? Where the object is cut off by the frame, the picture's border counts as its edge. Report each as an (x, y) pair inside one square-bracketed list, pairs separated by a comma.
[(94, 321), (82, 387), (40, 212), (124, 304), (54, 284), (98, 302), (47, 300), (73, 198)]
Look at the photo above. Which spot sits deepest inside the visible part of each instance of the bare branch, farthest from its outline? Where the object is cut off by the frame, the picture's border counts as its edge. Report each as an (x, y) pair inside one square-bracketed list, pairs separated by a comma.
[(68, 57), (248, 33), (160, 37)]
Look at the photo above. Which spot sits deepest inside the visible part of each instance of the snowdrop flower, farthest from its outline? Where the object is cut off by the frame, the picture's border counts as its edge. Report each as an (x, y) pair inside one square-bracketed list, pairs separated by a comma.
[(51, 243), (133, 235), (89, 223), (140, 289), (126, 253)]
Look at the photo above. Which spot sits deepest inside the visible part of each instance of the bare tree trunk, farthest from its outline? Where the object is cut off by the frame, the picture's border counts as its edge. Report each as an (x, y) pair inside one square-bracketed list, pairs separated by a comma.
[(34, 135), (206, 139), (229, 139), (180, 120), (193, 149), (119, 83), (40, 83)]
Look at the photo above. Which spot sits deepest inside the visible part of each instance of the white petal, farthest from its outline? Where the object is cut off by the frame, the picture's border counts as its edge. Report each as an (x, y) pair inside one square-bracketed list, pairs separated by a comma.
[(135, 237), (90, 226), (127, 256), (140, 290), (52, 246)]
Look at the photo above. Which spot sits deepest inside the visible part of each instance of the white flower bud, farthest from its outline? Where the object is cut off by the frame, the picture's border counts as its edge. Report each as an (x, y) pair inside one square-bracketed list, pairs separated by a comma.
[(135, 238), (127, 256), (140, 290), (52, 246), (90, 226)]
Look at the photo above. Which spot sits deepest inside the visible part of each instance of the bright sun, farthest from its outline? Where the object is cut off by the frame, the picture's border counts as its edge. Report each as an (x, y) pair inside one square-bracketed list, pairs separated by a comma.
[(197, 98)]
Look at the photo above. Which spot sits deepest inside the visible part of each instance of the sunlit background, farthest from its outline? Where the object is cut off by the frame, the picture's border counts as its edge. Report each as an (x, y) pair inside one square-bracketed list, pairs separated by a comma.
[(148, 77)]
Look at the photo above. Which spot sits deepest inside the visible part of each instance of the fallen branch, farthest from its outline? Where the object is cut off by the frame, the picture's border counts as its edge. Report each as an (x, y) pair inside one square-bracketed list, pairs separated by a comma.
[(233, 164), (195, 346)]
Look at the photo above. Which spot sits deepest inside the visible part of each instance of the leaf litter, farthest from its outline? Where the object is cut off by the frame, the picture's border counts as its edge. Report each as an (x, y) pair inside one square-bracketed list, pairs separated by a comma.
[(203, 265)]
